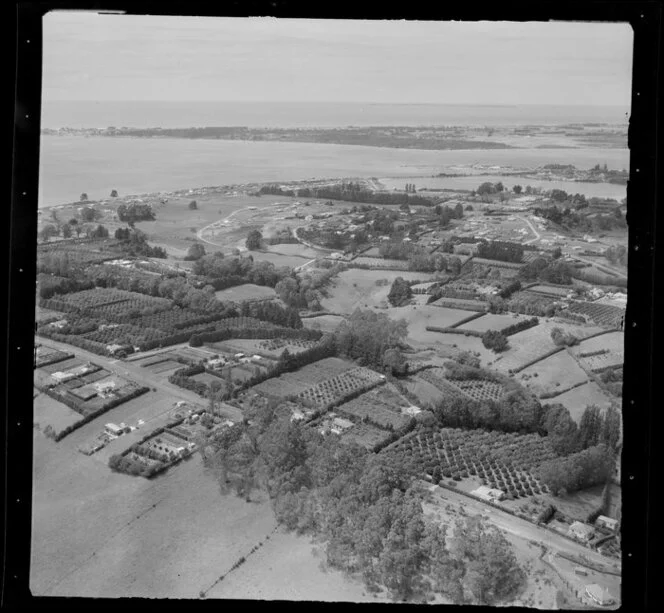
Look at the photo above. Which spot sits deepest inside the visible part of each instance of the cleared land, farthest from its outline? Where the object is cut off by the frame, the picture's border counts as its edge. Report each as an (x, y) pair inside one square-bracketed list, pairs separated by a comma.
[(248, 291), (326, 323), (50, 412)]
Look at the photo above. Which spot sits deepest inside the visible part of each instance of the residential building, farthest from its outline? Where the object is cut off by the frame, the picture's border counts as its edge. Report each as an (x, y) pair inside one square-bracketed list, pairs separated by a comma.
[(607, 522), (599, 595)]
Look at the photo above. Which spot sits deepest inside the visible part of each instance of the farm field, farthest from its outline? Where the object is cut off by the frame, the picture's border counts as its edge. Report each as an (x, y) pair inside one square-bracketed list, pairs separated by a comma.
[(492, 321), (383, 413), (324, 393), (164, 369), (294, 249), (577, 399), (207, 378), (535, 342), (381, 263), (248, 291), (506, 461), (288, 567), (558, 292), (601, 314), (558, 371), (50, 412), (613, 341), (357, 287), (325, 323), (312, 374)]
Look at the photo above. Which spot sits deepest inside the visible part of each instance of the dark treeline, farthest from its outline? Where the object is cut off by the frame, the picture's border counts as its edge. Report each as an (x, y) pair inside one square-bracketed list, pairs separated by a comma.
[(502, 251), (349, 192)]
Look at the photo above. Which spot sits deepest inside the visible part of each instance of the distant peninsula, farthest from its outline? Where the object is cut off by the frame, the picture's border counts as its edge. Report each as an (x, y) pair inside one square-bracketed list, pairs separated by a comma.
[(437, 138)]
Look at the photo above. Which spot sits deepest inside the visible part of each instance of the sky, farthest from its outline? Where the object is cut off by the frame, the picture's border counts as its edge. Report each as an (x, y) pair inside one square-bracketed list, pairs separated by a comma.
[(92, 57)]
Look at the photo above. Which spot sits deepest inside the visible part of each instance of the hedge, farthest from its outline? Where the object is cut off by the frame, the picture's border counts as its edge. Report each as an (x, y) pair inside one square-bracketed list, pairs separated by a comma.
[(520, 326), (465, 320)]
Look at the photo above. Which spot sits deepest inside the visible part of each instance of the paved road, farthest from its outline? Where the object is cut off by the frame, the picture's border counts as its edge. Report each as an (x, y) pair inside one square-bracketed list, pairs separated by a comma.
[(532, 227)]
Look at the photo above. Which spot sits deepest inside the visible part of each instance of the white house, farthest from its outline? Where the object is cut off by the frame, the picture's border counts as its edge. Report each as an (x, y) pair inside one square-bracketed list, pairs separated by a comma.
[(606, 522), (581, 531), (599, 595), (488, 494)]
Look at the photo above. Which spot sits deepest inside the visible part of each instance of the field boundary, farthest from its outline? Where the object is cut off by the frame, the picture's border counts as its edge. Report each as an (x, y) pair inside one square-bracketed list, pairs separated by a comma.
[(548, 396), (548, 354)]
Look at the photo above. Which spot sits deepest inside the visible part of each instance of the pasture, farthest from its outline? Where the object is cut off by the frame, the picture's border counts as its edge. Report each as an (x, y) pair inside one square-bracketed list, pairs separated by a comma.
[(558, 371), (325, 323), (579, 398), (248, 291), (50, 412), (492, 321), (535, 342)]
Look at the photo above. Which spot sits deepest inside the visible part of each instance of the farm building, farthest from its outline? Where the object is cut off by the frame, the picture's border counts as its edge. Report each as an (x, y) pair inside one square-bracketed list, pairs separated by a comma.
[(113, 429), (599, 595), (339, 424), (59, 376), (488, 494), (411, 410), (581, 531), (606, 522)]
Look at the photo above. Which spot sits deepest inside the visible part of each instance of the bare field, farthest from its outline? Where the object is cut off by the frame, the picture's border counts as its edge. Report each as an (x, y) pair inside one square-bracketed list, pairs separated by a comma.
[(425, 392), (248, 291), (358, 288), (577, 399)]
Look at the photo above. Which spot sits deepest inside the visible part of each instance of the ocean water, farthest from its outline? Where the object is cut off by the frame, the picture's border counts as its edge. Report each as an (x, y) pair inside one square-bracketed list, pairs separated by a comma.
[(70, 165), (56, 114)]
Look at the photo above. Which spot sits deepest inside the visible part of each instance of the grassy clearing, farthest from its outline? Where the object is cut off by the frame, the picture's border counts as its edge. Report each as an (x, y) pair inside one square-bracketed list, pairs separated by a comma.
[(558, 371), (358, 288), (577, 399), (288, 567), (50, 412), (248, 291), (492, 321), (326, 323)]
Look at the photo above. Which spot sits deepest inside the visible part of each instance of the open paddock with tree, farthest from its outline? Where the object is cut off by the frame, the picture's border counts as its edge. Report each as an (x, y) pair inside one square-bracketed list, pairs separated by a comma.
[(361, 288), (557, 372), (51, 415), (536, 342), (612, 346)]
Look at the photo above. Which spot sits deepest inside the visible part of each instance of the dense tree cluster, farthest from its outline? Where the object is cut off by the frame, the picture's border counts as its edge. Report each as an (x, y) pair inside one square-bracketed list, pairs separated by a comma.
[(400, 293), (254, 240), (134, 212), (365, 336), (366, 508), (563, 339), (578, 471), (222, 272), (349, 192), (306, 291), (133, 242), (495, 340), (195, 252), (501, 250)]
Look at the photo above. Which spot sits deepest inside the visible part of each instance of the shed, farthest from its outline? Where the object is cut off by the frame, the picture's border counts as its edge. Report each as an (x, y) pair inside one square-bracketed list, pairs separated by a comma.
[(489, 494), (113, 429)]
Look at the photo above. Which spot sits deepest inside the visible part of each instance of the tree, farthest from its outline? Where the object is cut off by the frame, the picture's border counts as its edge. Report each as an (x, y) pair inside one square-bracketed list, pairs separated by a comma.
[(395, 361), (114, 193), (494, 340), (562, 339), (88, 214), (254, 240), (122, 233), (66, 231), (454, 265), (517, 189), (492, 573), (99, 232), (47, 232), (193, 205), (400, 292), (84, 197), (195, 252)]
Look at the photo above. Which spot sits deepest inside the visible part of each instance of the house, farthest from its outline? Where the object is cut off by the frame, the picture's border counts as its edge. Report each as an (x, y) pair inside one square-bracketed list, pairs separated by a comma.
[(599, 595), (607, 522), (466, 248), (488, 494), (581, 531)]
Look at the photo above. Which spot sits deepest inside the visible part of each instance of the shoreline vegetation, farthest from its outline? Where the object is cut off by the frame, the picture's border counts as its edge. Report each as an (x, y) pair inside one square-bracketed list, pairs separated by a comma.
[(548, 172), (398, 137)]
